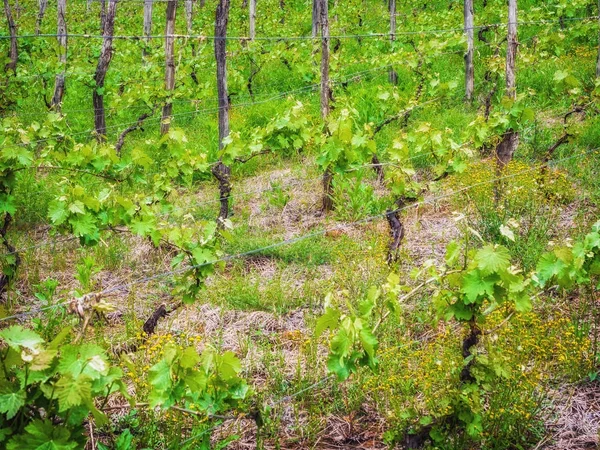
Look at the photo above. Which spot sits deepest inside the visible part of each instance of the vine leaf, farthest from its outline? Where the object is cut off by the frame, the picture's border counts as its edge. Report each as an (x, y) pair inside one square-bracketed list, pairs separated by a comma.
[(43, 435), (72, 391), (17, 336), (329, 320), (11, 401), (492, 259), (229, 366), (474, 285)]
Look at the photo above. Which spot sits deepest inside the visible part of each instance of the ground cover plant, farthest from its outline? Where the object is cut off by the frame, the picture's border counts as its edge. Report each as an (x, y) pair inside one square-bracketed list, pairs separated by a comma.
[(299, 224)]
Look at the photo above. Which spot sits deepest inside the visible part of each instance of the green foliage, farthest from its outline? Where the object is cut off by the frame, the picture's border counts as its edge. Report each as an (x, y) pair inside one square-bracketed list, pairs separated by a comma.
[(42, 382), (572, 265), (355, 199), (354, 343)]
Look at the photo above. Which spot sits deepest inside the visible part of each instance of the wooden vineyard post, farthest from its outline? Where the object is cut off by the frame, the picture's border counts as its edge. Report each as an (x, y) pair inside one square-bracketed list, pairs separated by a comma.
[(13, 54), (147, 24), (469, 67), (325, 97), (598, 60), (189, 15), (103, 63), (102, 15), (507, 147), (42, 11), (252, 19), (169, 65), (221, 171), (315, 17), (393, 74), (61, 31), (282, 7)]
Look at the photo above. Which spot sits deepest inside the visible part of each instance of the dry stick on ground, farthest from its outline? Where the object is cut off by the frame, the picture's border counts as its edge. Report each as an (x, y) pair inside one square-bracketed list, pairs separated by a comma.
[(221, 171), (169, 65), (59, 83), (132, 128), (149, 328), (103, 63), (13, 54)]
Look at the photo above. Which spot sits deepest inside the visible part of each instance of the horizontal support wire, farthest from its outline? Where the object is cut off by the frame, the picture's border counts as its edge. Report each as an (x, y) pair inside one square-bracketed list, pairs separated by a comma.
[(291, 241), (294, 38)]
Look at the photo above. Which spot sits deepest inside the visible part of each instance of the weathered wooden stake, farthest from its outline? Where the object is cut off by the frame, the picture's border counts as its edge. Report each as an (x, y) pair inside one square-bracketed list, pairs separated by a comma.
[(169, 64), (61, 31), (221, 171), (13, 53), (102, 15), (393, 75), (325, 97), (598, 61), (282, 7), (147, 24), (42, 11), (103, 63), (252, 19), (507, 147), (189, 15), (469, 67), (316, 15)]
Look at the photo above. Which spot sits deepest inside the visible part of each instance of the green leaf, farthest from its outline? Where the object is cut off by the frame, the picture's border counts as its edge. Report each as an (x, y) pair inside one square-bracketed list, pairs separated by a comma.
[(59, 338), (475, 285), (159, 376), (11, 400), (491, 259), (17, 336), (452, 253), (124, 441), (189, 358), (202, 255), (142, 227), (336, 366), (43, 435), (329, 320), (229, 365), (368, 341), (57, 212), (84, 225), (7, 204), (85, 359), (17, 153), (523, 303), (72, 391), (548, 267), (460, 311), (196, 380)]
